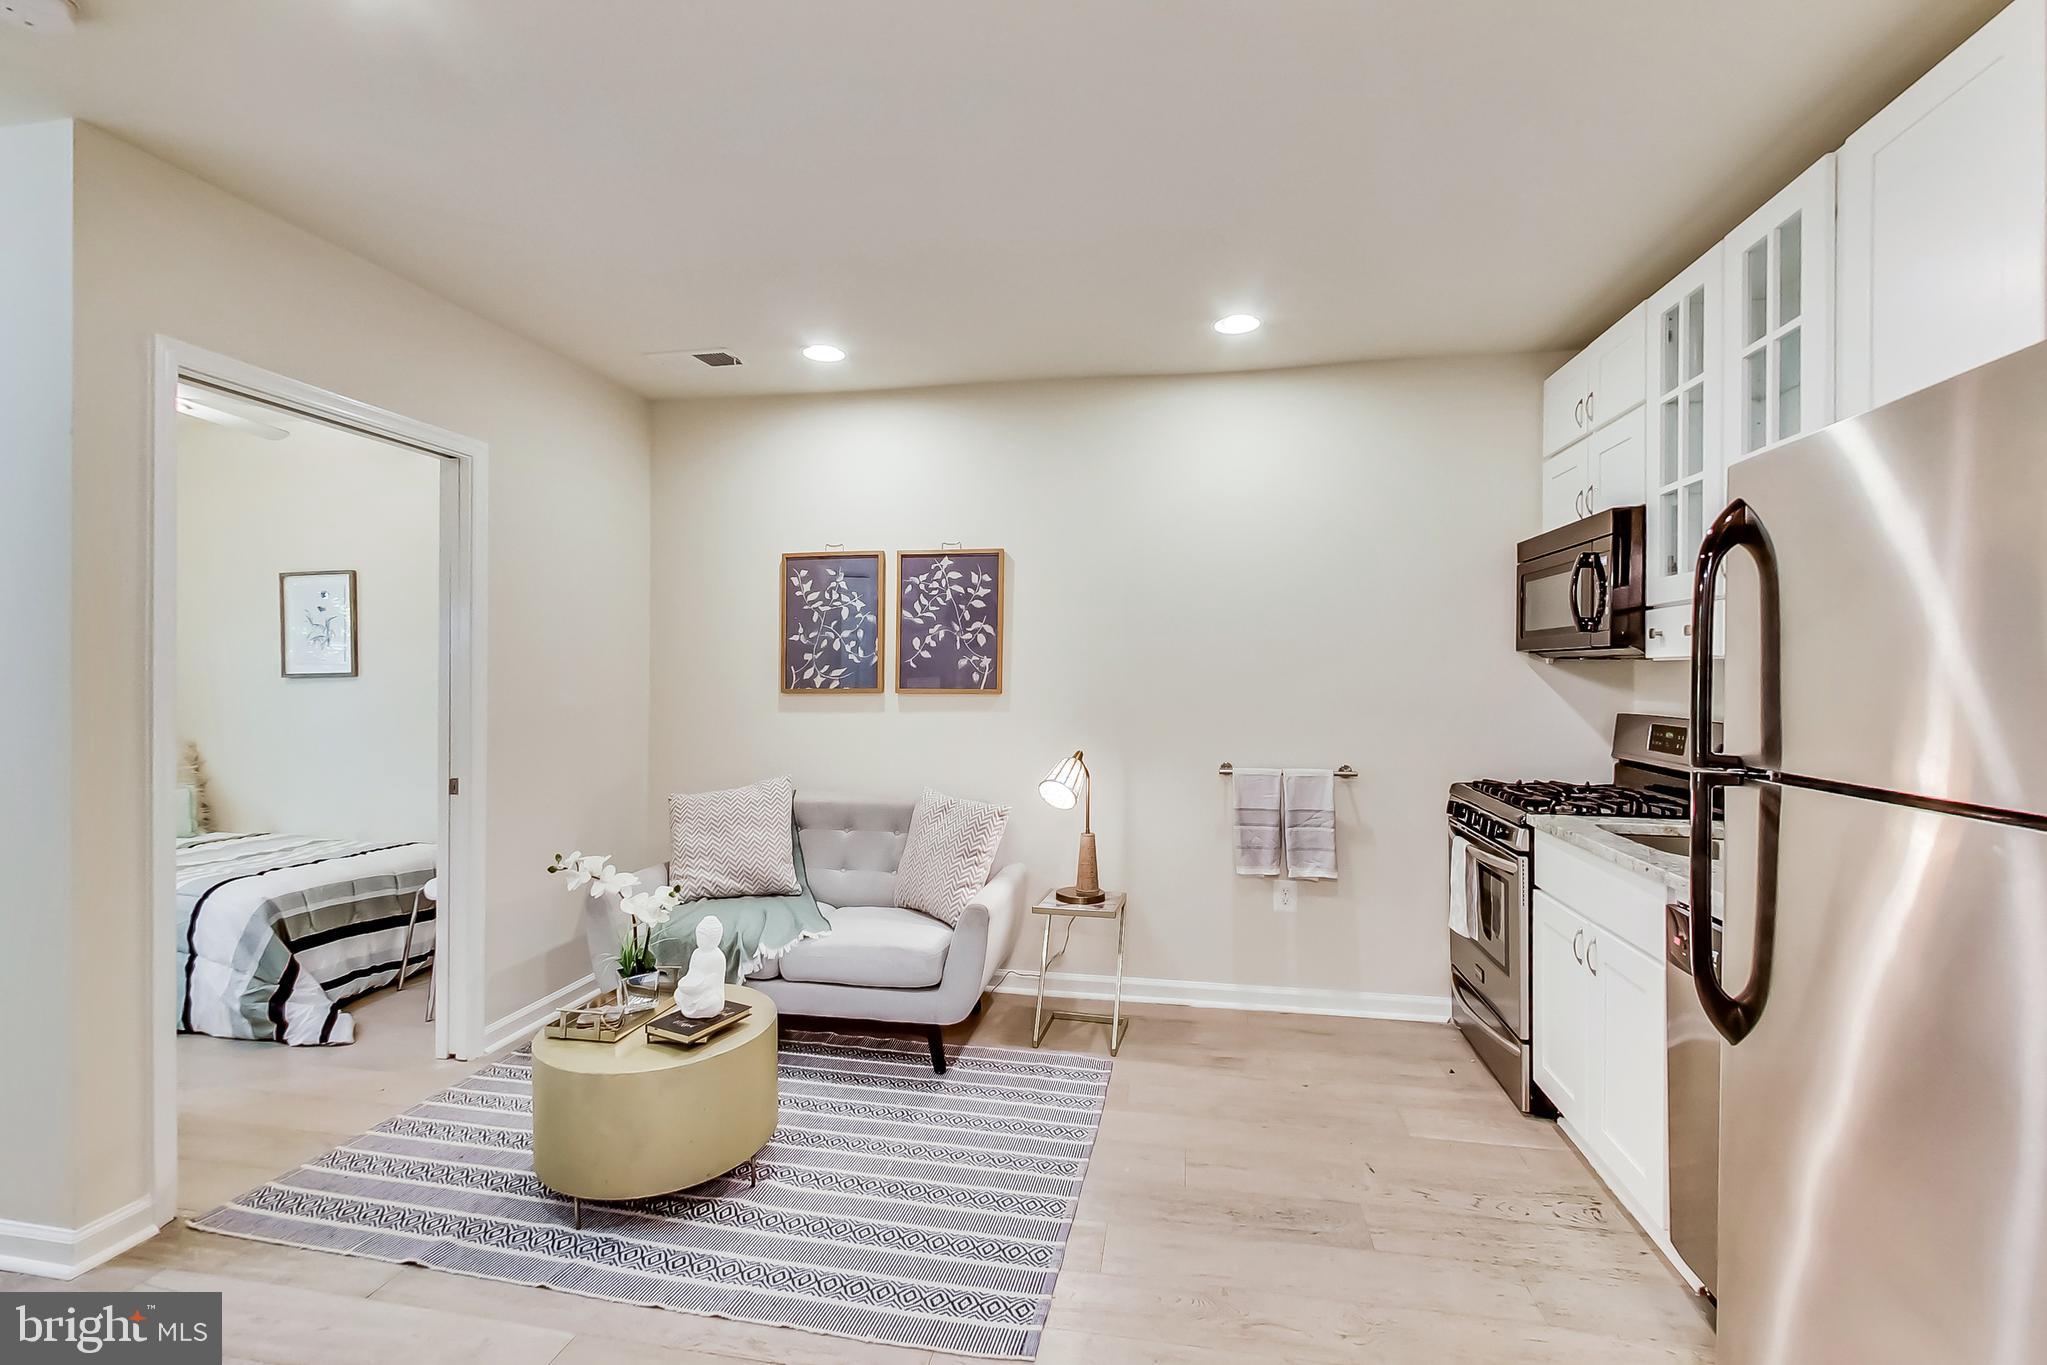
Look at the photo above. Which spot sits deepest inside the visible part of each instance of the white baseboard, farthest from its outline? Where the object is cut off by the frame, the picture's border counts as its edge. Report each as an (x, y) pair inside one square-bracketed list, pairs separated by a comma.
[(65, 1253), (522, 1023), (1221, 995)]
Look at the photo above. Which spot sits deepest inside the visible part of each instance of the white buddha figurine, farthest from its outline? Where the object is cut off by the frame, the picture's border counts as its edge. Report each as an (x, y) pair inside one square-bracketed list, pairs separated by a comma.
[(701, 992)]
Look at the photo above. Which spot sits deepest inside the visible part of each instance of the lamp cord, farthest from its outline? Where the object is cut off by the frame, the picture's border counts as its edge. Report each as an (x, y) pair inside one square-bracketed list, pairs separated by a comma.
[(1070, 922)]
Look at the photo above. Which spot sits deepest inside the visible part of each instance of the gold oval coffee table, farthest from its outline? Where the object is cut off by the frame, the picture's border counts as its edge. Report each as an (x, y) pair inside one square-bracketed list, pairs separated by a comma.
[(633, 1119)]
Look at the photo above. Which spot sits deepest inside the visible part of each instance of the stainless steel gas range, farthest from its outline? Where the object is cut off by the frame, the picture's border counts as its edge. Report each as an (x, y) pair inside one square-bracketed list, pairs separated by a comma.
[(1490, 991)]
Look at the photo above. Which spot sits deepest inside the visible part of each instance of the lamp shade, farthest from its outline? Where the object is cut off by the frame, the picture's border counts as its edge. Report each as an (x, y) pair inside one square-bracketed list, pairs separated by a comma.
[(1061, 787)]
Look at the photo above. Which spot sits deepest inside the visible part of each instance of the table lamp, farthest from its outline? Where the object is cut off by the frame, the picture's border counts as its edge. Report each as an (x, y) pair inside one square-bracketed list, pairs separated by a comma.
[(1061, 788)]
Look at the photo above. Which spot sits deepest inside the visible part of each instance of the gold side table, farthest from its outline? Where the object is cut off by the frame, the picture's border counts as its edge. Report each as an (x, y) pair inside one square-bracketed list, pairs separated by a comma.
[(1050, 907)]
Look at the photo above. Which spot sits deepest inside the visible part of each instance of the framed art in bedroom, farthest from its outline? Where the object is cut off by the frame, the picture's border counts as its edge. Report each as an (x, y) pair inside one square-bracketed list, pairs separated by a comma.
[(316, 624), (834, 626), (950, 625)]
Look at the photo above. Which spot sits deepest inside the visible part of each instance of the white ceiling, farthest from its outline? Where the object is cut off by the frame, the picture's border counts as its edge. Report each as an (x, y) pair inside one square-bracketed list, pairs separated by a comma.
[(960, 191)]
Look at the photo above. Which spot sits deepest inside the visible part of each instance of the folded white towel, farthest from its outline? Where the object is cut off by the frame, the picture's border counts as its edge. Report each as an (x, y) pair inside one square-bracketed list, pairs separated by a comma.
[(1255, 799), (1460, 889), (1310, 823)]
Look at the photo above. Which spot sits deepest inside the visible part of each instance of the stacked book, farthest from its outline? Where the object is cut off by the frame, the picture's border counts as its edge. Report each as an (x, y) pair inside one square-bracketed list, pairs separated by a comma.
[(679, 1030)]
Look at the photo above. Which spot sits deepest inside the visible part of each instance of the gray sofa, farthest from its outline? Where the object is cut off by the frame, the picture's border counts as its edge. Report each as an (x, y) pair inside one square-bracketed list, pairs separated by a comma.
[(879, 962)]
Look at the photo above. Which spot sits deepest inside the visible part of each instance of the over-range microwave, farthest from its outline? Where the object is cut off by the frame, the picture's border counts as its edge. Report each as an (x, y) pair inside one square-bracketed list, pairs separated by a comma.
[(1578, 589)]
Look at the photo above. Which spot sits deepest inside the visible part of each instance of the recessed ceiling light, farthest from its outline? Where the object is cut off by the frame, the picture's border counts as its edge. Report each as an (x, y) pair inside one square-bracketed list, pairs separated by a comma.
[(1236, 324), (827, 354)]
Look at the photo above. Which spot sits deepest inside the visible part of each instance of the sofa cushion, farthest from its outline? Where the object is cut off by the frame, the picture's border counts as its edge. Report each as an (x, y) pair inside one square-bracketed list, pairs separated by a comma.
[(872, 945), (947, 856), (851, 847), (734, 843)]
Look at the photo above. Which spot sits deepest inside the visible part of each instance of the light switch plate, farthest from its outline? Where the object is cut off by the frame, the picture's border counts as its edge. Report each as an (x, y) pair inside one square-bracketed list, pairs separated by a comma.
[(1286, 894)]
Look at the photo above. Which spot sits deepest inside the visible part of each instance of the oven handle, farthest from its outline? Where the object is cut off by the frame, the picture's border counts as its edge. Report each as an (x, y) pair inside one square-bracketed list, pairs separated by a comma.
[(1509, 867), (1592, 561)]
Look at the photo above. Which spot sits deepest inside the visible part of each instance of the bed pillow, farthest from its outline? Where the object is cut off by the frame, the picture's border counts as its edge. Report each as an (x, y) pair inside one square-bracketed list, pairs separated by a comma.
[(192, 773), (734, 843), (947, 856), (188, 811)]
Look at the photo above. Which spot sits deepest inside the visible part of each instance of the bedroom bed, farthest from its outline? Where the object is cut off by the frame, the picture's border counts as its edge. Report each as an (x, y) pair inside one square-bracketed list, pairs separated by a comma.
[(276, 932)]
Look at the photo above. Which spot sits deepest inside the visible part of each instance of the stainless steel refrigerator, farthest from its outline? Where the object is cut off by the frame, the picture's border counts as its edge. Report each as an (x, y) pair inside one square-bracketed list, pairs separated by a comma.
[(1883, 988)]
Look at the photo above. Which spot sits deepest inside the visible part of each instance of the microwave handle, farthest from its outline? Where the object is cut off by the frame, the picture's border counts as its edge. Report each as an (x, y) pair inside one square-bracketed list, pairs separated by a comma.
[(1591, 561)]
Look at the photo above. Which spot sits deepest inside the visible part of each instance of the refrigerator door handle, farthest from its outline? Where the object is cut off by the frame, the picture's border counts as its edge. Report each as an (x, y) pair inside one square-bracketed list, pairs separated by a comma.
[(1738, 527)]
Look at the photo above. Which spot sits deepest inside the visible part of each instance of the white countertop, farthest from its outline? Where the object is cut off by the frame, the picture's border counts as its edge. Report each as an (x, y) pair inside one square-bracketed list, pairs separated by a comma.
[(1601, 836)]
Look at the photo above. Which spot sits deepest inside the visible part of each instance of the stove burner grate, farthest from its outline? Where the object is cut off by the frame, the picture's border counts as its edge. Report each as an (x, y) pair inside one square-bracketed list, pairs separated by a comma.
[(1571, 798)]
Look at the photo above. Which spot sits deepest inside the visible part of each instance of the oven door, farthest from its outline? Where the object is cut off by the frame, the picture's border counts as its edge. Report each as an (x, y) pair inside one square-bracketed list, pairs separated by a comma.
[(1565, 603), (1494, 963)]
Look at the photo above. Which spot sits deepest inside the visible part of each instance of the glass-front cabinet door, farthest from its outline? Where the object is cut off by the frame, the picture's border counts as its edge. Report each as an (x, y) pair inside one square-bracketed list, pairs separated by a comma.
[(1779, 357), (1685, 465)]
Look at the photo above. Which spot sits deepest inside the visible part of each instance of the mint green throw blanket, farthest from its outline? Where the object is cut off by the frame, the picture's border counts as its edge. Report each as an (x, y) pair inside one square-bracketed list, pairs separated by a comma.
[(757, 928)]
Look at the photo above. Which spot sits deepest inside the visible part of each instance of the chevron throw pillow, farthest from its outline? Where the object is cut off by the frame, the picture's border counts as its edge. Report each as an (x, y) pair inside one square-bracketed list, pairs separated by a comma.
[(948, 854), (734, 843)]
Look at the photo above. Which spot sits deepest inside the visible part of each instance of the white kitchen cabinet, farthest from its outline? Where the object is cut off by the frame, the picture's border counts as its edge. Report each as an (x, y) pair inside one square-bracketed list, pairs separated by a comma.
[(1668, 631), (1598, 1025), (1603, 470), (1562, 1004), (1566, 477), (1601, 384), (1685, 466), (1614, 364), (1942, 234), (1628, 1076), (1563, 404), (1615, 461), (1779, 327)]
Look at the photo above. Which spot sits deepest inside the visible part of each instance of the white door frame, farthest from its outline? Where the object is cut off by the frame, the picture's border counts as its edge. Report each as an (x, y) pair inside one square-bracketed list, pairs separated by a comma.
[(459, 954)]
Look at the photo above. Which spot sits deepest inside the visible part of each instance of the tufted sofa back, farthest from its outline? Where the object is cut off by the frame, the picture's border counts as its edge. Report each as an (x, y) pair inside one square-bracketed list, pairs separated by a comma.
[(851, 846)]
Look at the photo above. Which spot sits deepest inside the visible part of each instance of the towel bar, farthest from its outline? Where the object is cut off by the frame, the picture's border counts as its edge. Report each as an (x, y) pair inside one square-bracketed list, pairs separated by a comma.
[(1346, 771)]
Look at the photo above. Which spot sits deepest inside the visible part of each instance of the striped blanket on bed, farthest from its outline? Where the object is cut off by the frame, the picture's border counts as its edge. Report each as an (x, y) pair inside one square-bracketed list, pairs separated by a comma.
[(278, 931)]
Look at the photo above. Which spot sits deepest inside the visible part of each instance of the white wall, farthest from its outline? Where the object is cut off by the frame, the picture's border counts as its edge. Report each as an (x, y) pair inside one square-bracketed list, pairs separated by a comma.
[(1305, 567), (35, 623), (342, 757), (160, 252)]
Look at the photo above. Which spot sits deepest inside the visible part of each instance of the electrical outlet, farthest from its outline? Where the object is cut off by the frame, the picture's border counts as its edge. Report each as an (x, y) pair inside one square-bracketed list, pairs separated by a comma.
[(1286, 893)]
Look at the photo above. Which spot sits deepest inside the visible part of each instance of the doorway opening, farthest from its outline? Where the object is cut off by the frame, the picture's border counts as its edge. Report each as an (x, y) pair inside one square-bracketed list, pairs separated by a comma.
[(316, 719)]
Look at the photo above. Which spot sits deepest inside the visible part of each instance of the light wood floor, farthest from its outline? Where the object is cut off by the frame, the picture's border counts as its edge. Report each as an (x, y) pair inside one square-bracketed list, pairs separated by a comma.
[(1265, 1188)]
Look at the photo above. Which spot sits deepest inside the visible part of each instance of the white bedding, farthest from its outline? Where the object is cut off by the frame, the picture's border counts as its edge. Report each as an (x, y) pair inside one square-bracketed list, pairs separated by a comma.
[(277, 932)]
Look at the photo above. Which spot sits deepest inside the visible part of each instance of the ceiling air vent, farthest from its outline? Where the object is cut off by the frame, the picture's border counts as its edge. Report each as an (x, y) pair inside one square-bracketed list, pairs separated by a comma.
[(717, 359)]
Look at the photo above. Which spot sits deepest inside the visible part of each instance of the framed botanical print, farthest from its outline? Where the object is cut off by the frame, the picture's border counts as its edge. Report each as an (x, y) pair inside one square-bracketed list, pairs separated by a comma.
[(833, 626), (316, 624), (949, 635)]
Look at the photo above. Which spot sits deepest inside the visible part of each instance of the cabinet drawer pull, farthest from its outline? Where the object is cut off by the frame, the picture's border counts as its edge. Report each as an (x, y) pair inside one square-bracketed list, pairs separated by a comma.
[(1580, 411), (1578, 945), (1588, 408), (1591, 957)]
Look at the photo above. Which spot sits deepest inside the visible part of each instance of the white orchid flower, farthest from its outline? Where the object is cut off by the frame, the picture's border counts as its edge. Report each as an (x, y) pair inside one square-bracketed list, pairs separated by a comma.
[(582, 869), (650, 907), (609, 881)]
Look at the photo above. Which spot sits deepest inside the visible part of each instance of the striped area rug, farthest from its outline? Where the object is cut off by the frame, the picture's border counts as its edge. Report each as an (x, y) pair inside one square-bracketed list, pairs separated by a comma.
[(893, 1206)]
